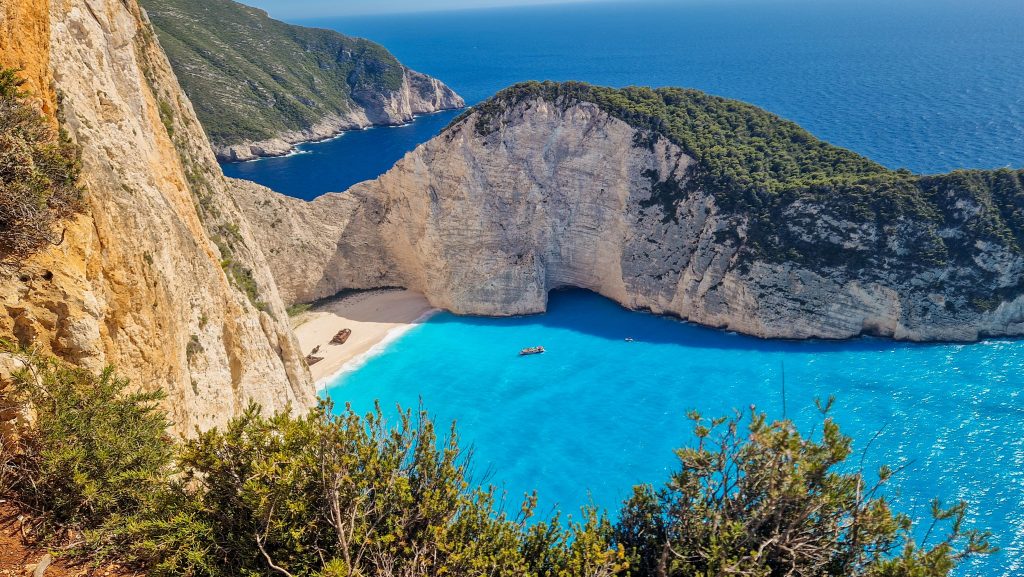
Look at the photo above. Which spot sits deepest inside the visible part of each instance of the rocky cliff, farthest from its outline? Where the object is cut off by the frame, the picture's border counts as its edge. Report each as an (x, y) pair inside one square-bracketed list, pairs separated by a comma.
[(160, 275), (670, 201), (260, 85)]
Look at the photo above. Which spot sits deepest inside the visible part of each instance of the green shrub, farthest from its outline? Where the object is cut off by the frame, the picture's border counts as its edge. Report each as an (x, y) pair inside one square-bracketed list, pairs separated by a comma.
[(227, 236), (39, 171), (761, 499), (297, 309), (167, 117), (97, 457), (347, 495)]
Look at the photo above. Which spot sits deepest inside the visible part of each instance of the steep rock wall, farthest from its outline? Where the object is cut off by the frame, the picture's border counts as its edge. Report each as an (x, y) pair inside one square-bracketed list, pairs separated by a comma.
[(161, 275), (565, 196)]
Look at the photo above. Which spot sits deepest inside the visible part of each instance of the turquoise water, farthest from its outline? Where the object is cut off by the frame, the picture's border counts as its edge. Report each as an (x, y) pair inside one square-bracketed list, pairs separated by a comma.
[(930, 85), (596, 414)]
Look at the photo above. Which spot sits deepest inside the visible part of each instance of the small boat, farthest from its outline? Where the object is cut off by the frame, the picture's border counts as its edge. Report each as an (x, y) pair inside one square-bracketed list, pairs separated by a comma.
[(629, 339), (341, 337), (531, 351)]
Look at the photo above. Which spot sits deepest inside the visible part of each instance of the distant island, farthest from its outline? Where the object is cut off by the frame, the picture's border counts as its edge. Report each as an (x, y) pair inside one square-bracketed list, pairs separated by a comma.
[(669, 200), (259, 85)]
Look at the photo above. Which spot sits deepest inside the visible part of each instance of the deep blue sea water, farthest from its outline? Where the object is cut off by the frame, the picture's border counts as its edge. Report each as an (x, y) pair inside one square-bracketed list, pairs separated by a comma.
[(930, 86), (336, 164), (595, 414)]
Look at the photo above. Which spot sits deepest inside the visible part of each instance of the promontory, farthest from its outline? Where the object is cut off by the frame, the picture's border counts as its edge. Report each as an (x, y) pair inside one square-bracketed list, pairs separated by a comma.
[(667, 200), (259, 85)]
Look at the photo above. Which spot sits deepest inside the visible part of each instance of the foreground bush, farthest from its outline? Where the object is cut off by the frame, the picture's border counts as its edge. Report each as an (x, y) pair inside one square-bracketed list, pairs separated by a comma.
[(348, 495), (38, 176), (757, 498), (97, 457)]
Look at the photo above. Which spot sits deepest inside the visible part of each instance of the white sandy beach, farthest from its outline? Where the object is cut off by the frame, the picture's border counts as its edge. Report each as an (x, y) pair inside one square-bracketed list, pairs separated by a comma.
[(374, 317)]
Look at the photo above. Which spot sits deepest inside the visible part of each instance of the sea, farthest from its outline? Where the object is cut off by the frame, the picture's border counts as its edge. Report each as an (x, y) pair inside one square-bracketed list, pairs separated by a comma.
[(926, 85)]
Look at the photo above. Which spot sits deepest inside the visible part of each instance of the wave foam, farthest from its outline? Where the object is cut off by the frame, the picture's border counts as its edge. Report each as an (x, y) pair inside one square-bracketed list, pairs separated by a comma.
[(361, 359)]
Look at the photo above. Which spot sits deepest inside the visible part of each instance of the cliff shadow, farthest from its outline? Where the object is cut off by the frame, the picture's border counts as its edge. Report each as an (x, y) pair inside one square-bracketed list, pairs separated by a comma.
[(587, 312)]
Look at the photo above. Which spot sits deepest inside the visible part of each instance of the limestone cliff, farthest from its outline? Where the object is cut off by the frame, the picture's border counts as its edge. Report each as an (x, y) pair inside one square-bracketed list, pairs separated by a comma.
[(260, 85), (161, 275), (535, 192)]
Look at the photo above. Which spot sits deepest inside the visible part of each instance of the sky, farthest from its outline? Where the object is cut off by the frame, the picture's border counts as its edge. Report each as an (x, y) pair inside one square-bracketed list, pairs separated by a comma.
[(319, 8)]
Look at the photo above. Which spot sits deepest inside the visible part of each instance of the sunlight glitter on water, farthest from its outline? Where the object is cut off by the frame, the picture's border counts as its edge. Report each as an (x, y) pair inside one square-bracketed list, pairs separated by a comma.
[(596, 414)]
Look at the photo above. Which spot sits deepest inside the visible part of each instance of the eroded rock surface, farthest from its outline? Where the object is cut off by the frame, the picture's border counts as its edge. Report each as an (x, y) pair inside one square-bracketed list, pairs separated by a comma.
[(160, 275), (487, 223)]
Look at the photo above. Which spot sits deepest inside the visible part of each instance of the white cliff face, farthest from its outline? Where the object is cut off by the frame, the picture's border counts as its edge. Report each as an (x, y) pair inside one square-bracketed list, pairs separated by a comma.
[(150, 278), (419, 94), (562, 197)]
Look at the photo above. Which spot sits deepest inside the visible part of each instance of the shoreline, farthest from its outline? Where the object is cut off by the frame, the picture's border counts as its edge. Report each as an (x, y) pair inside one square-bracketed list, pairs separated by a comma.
[(294, 146), (376, 318), (357, 361)]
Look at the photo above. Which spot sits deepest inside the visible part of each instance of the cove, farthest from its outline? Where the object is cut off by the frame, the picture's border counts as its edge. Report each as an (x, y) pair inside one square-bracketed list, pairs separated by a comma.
[(336, 164), (596, 414)]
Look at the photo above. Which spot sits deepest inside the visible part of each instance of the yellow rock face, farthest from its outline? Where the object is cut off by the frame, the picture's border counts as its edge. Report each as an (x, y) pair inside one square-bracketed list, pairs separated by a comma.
[(25, 44), (160, 275)]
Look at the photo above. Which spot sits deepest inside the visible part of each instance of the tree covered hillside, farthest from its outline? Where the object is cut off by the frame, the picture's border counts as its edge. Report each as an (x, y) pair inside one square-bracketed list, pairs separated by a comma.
[(251, 77)]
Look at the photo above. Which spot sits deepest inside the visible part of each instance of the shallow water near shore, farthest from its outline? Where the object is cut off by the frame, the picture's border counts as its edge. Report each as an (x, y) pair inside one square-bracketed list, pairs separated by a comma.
[(596, 414)]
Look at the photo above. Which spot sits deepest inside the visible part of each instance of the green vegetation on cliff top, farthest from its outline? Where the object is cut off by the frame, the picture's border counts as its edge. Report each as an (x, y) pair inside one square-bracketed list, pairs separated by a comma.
[(740, 147), (770, 170), (251, 77)]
